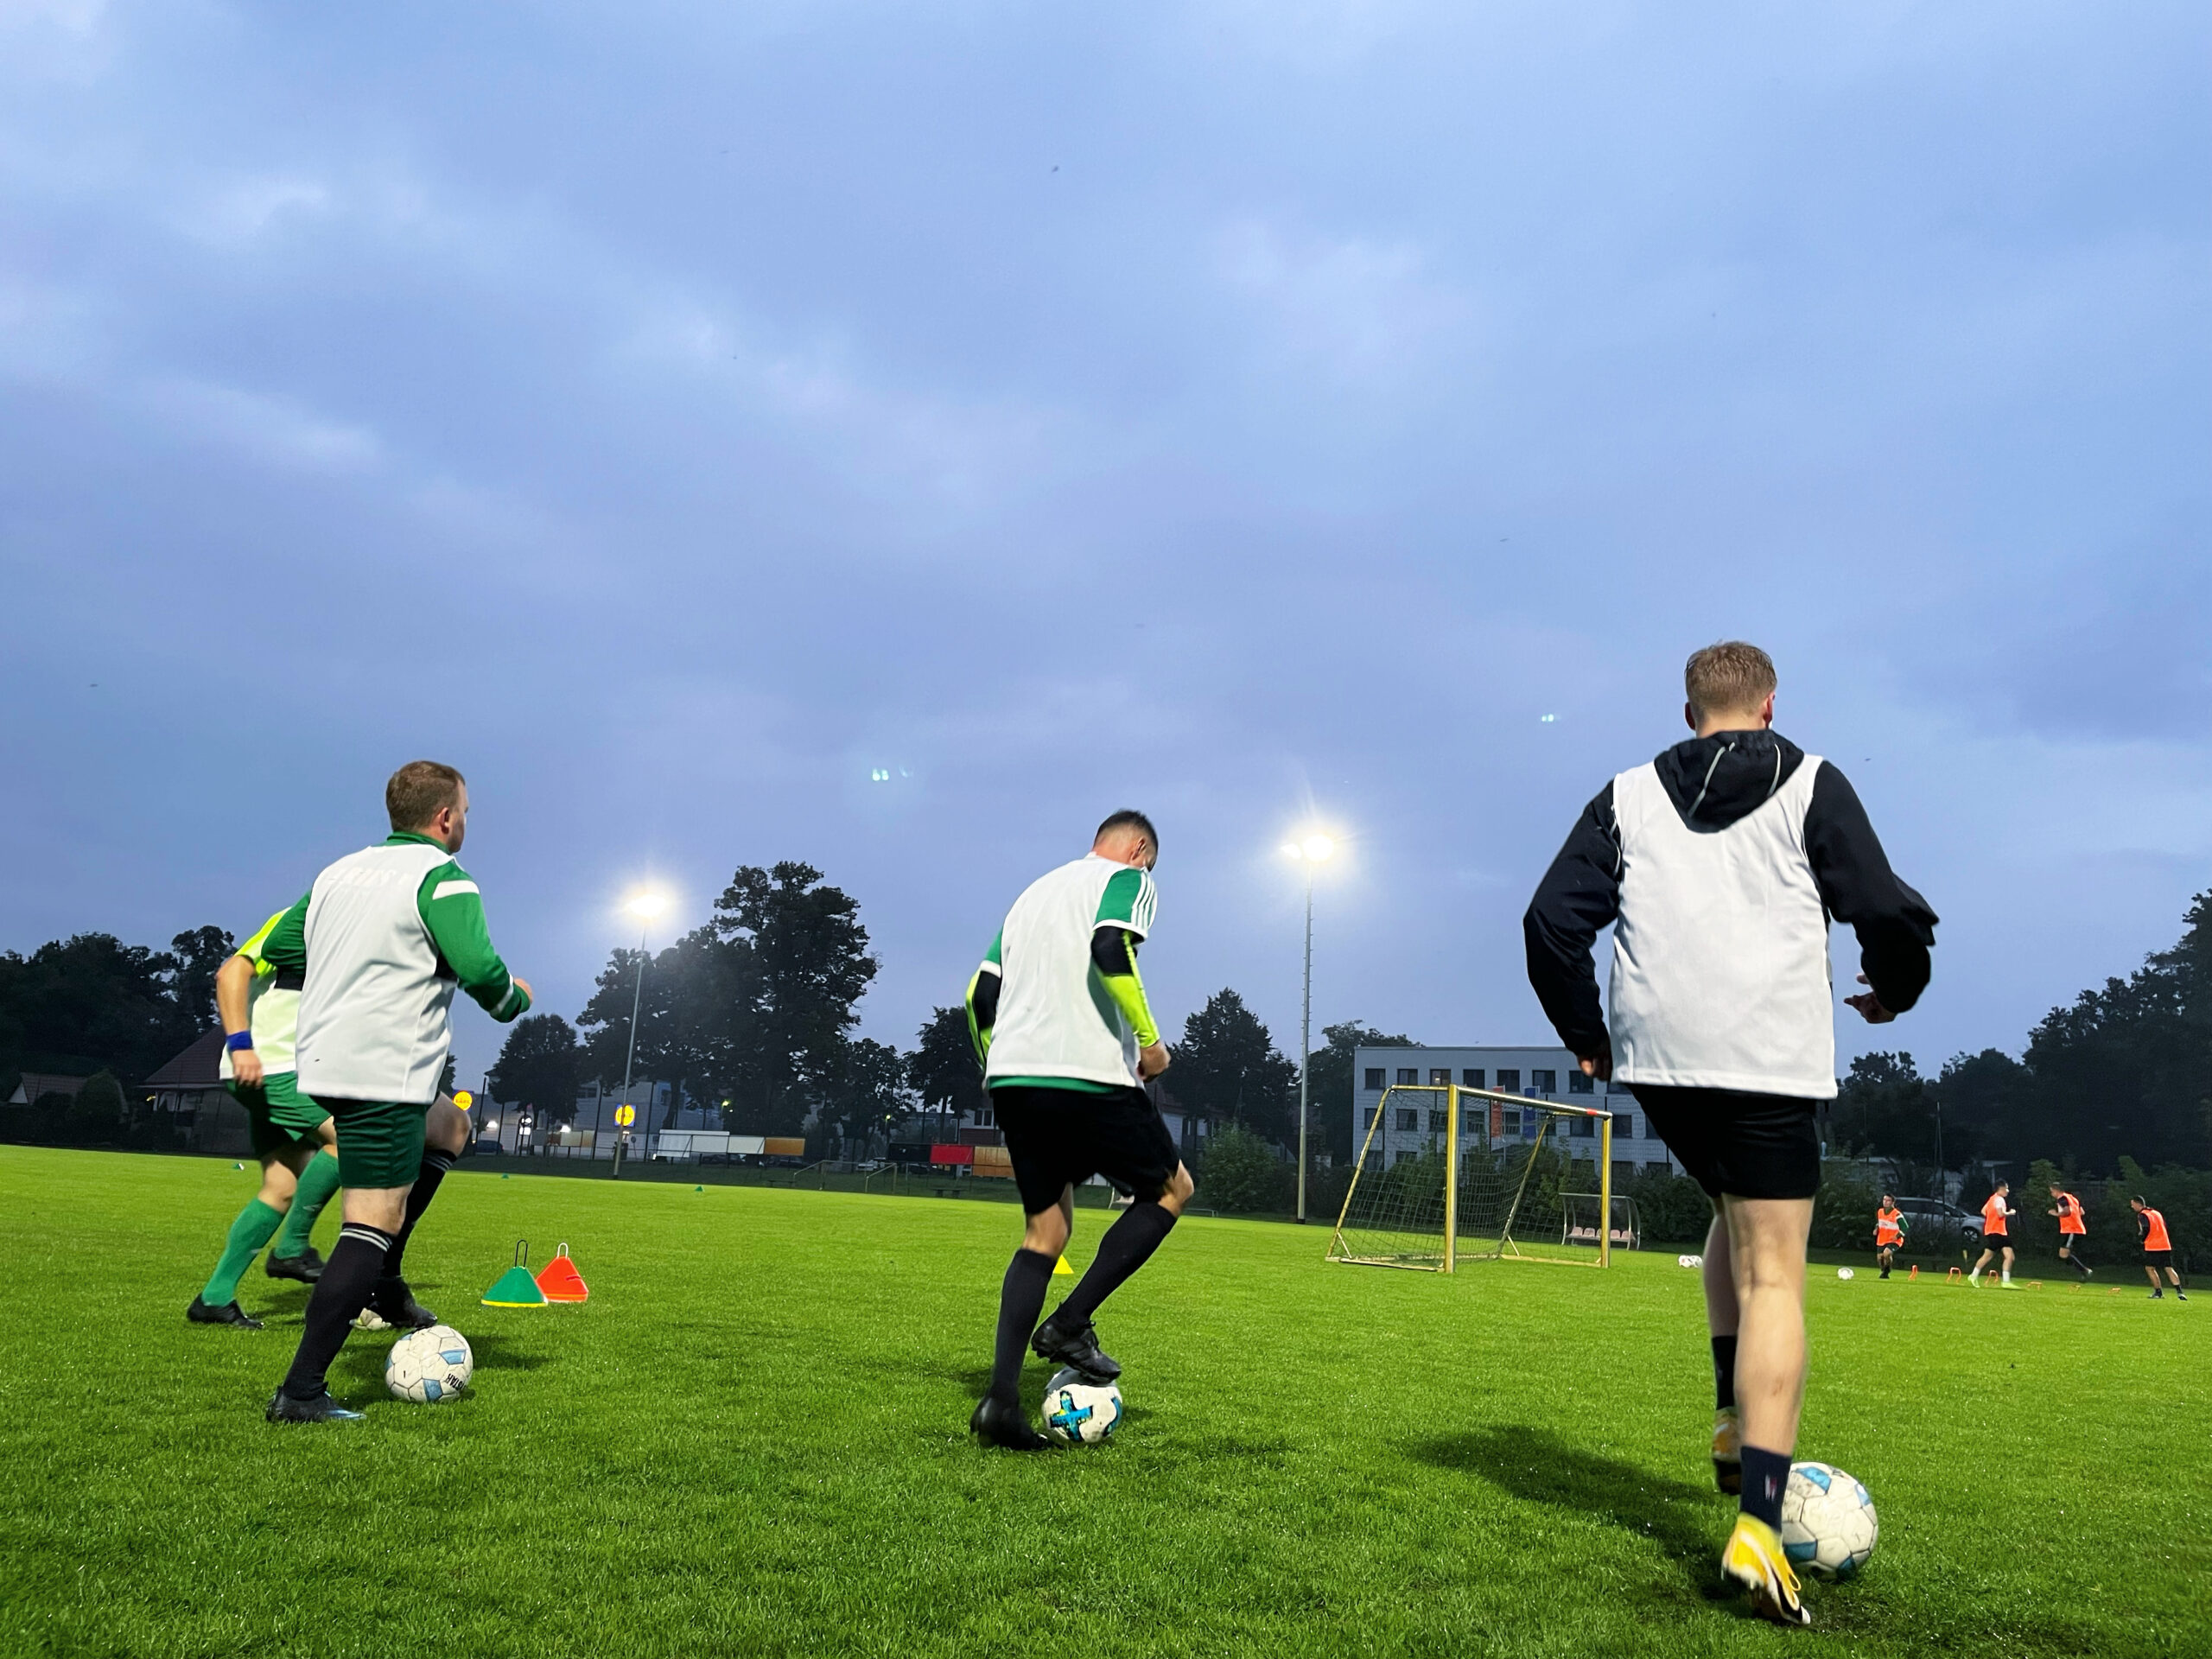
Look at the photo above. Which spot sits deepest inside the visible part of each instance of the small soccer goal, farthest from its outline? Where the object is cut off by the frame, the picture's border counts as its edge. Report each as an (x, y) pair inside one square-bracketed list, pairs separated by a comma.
[(1447, 1174)]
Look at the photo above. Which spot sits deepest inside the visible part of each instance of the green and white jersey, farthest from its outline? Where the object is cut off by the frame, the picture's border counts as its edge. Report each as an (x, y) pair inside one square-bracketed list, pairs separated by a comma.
[(1056, 1017), (272, 1006), (383, 936)]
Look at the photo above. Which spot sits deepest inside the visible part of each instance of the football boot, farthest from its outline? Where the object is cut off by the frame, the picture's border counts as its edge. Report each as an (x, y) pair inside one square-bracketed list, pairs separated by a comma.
[(1728, 1451), (1753, 1558), (396, 1306), (228, 1313), (1063, 1342), (1005, 1426), (306, 1267), (283, 1409)]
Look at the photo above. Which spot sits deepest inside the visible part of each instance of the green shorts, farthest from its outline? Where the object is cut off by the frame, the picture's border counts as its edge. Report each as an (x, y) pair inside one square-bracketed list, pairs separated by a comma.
[(379, 1142), (281, 1117)]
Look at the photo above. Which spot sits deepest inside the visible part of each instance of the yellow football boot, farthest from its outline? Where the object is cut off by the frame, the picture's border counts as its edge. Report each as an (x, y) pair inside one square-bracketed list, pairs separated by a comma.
[(1754, 1559), (1728, 1451)]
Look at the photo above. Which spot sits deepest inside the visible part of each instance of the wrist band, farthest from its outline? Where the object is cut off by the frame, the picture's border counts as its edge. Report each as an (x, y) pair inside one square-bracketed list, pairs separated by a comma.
[(238, 1040)]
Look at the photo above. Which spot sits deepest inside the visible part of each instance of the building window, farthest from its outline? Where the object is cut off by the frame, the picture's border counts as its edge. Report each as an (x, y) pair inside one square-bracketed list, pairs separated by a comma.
[(1511, 1125), (1474, 1122), (1367, 1118), (1509, 1080), (1439, 1077), (1624, 1126), (1408, 1118), (1439, 1122), (983, 1118), (1578, 1082), (1582, 1129), (1623, 1172), (1373, 1077), (1409, 1074), (1543, 1082), (1472, 1077), (1402, 1155)]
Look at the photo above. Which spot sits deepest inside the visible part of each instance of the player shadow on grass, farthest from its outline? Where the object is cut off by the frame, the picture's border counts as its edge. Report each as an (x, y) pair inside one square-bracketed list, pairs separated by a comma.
[(361, 1362), (1533, 1464)]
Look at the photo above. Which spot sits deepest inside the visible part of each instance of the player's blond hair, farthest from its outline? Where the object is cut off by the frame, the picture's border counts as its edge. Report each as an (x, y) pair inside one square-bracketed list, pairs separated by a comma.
[(418, 791), (1727, 678)]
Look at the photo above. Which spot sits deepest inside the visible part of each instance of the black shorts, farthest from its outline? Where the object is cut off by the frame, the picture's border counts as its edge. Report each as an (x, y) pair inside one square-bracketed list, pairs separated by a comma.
[(1748, 1146), (2155, 1260), (1998, 1241), (2071, 1242), (1058, 1137)]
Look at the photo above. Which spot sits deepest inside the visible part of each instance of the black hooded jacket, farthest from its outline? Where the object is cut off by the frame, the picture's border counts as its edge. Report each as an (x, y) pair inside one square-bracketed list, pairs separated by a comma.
[(1713, 782)]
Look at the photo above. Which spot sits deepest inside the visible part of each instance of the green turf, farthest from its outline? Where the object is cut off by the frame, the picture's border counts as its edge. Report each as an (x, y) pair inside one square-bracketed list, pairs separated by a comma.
[(751, 1441)]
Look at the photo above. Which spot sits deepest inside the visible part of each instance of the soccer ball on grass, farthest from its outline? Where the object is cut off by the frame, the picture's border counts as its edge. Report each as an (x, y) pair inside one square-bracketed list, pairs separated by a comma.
[(1078, 1413), (429, 1365), (1829, 1526)]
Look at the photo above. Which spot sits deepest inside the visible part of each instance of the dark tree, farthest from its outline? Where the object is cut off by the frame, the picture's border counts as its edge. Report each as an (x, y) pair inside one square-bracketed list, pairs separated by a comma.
[(809, 967), (942, 1069), (198, 955), (91, 1002), (1887, 1110), (1329, 1084), (97, 1113), (540, 1064), (1227, 1070), (869, 1094), (696, 1016)]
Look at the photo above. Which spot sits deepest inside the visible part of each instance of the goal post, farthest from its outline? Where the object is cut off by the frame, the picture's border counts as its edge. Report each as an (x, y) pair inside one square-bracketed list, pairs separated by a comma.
[(1446, 1173)]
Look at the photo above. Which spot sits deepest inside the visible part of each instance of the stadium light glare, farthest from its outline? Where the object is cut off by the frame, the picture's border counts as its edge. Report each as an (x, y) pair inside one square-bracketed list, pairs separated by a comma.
[(1308, 850), (647, 903), (1318, 848)]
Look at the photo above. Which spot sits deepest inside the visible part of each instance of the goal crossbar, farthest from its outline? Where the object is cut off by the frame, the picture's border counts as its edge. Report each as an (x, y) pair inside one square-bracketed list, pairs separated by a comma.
[(1403, 1219)]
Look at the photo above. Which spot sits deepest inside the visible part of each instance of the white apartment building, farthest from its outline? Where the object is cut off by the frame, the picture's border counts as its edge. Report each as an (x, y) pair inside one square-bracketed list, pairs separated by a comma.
[(1539, 1073)]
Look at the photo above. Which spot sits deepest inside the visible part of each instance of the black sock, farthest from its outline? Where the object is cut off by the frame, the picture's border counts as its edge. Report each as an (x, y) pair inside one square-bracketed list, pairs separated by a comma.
[(1129, 1244), (435, 1166), (1766, 1475), (342, 1292), (1723, 1373), (1021, 1300)]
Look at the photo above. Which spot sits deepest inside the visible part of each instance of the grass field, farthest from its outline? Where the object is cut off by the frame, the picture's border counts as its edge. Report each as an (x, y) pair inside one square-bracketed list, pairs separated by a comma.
[(751, 1441)]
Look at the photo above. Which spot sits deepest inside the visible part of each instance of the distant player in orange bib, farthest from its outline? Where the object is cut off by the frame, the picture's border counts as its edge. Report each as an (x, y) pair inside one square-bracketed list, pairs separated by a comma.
[(1889, 1233), (2158, 1249), (2072, 1229), (1996, 1236)]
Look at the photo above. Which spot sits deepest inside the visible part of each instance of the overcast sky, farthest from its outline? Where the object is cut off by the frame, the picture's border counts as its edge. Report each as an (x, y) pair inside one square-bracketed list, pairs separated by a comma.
[(676, 416)]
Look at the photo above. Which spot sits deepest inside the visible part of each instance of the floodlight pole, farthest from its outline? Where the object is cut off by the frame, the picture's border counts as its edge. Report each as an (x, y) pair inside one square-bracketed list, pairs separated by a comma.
[(637, 998), (1304, 1041)]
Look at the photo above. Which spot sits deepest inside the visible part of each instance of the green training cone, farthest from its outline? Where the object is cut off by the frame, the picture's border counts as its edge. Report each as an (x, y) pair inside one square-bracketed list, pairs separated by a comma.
[(515, 1287)]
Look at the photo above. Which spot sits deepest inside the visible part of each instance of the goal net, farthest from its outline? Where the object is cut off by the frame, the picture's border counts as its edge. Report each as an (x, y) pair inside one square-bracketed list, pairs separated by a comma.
[(1446, 1173)]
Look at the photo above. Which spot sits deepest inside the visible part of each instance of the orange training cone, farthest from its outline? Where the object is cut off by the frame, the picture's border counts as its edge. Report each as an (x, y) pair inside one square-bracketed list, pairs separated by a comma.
[(560, 1281), (515, 1287)]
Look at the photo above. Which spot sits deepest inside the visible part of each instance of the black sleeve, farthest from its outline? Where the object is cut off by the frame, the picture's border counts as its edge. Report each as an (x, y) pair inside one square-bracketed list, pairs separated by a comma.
[(1579, 897), (1894, 924), (983, 1000), (1110, 952)]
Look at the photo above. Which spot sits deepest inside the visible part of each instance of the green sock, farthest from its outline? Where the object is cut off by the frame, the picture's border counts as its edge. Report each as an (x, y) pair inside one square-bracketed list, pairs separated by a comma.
[(317, 1182), (248, 1234)]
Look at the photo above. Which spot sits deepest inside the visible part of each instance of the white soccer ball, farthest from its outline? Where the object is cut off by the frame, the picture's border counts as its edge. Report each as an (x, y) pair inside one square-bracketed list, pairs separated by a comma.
[(1689, 1260), (429, 1365), (1079, 1413), (1844, 1273), (1829, 1526)]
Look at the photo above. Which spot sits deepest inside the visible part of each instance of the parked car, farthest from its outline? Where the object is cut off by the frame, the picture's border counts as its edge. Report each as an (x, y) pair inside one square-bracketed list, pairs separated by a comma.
[(1934, 1221)]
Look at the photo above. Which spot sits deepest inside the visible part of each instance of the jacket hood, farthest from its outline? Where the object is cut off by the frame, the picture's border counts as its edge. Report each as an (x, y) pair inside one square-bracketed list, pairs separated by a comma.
[(1715, 780)]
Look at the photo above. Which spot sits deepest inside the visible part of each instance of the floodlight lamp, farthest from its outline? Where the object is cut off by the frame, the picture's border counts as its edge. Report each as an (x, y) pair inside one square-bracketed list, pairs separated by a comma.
[(1291, 849), (647, 905), (1318, 848)]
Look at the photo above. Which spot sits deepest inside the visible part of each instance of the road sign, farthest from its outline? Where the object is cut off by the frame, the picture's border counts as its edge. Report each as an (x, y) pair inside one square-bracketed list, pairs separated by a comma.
[(625, 1115)]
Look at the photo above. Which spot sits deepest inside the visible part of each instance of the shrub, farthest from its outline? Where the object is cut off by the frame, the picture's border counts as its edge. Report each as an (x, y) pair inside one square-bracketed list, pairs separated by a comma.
[(1239, 1173)]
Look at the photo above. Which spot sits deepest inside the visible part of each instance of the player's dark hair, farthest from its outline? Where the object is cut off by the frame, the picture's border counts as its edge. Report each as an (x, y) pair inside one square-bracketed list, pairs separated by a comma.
[(418, 791), (2137, 1198), (1127, 818)]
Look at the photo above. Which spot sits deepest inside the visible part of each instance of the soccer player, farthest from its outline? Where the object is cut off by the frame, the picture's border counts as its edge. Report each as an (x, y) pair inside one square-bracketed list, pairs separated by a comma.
[(1996, 1236), (382, 937), (2073, 1228), (1718, 866), (1067, 1041), (292, 1136), (2158, 1249), (1889, 1233)]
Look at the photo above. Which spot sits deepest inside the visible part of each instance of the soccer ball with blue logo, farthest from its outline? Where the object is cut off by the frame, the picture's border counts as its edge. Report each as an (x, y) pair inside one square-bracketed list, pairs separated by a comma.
[(1829, 1526), (1080, 1412), (430, 1366)]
